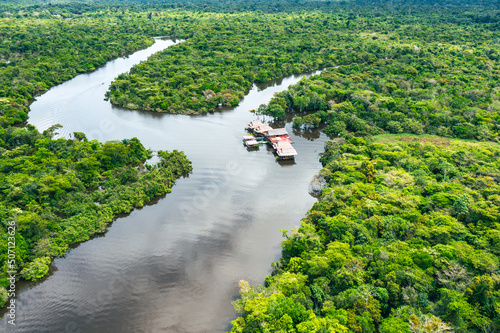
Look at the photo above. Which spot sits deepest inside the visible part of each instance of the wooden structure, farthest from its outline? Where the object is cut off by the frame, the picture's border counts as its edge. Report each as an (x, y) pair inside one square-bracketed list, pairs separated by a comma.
[(276, 132), (278, 138), (254, 124), (262, 130), (259, 128), (250, 141), (285, 150)]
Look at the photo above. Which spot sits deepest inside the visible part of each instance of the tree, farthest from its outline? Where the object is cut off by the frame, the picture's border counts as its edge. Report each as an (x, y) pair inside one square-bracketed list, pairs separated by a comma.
[(368, 170)]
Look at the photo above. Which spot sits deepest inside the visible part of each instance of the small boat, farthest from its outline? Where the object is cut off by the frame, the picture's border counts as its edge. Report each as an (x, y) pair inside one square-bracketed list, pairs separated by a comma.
[(250, 141)]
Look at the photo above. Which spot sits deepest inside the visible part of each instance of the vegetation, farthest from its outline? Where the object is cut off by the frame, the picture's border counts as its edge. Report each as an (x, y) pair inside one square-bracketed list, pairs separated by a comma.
[(404, 237), (415, 79), (224, 54), (59, 192), (37, 53), (416, 64), (63, 191)]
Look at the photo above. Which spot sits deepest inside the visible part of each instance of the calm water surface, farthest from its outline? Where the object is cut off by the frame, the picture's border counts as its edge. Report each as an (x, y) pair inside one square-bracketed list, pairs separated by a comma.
[(172, 266)]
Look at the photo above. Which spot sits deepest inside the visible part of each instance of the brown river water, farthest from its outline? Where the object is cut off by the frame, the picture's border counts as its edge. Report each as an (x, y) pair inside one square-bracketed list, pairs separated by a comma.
[(174, 265)]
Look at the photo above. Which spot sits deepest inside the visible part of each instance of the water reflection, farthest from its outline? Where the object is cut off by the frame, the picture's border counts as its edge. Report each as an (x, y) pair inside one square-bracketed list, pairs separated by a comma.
[(308, 134), (172, 266)]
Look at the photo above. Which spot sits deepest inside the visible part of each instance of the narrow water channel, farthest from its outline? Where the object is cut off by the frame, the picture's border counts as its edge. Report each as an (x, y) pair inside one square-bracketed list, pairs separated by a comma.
[(172, 266)]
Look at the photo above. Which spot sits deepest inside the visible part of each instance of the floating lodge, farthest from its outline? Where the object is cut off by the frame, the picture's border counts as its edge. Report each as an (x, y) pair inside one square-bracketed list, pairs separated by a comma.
[(250, 141), (278, 138)]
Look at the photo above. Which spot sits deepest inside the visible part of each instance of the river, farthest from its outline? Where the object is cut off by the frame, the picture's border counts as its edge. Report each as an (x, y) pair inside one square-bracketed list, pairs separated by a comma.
[(174, 265)]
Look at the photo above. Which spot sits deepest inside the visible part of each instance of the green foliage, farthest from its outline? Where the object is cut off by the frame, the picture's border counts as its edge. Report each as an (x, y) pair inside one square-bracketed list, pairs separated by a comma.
[(4, 296), (38, 52), (274, 312), (406, 234), (64, 191), (393, 77), (223, 55), (394, 325), (58, 192), (389, 254), (36, 269)]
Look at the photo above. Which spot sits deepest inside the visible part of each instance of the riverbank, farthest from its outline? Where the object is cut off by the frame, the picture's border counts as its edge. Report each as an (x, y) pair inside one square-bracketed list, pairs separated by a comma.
[(382, 248), (206, 230), (72, 190)]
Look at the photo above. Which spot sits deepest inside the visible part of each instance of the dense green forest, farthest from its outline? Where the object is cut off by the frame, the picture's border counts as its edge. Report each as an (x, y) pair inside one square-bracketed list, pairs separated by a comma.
[(436, 79), (390, 96), (421, 57), (59, 192), (38, 53), (221, 59), (405, 238)]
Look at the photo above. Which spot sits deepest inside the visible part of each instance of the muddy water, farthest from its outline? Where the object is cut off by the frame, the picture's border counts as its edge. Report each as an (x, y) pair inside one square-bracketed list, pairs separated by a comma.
[(172, 266)]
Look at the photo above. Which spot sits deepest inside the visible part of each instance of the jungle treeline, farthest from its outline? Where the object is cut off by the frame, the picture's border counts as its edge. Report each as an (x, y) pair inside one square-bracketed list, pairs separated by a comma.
[(228, 50), (405, 236), (58, 192), (224, 54), (404, 239)]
